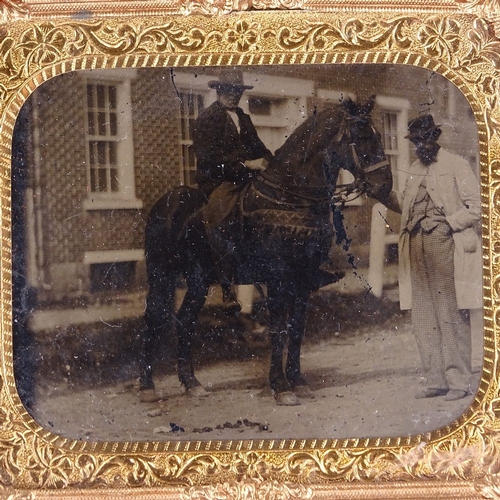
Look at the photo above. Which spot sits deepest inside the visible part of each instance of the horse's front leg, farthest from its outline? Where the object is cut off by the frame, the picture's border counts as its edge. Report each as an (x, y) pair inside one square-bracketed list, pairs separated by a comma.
[(278, 312), (297, 318), (187, 325)]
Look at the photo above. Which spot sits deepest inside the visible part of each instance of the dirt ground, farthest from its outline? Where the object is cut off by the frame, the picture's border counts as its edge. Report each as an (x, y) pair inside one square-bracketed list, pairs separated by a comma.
[(362, 365)]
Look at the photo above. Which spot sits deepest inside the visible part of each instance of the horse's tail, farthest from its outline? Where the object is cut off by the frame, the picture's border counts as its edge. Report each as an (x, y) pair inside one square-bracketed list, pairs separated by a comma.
[(165, 222), (164, 265), (165, 256)]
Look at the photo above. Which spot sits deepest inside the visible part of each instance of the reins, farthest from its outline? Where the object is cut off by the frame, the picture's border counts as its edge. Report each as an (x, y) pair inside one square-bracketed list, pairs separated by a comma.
[(357, 163), (262, 178), (340, 191)]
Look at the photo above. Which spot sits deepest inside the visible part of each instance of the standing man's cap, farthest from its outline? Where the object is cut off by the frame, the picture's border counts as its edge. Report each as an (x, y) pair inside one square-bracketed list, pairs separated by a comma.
[(229, 80), (422, 127)]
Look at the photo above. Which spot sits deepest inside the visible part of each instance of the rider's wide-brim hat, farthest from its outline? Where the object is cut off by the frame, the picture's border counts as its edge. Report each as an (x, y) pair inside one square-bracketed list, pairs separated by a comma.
[(230, 80), (423, 126)]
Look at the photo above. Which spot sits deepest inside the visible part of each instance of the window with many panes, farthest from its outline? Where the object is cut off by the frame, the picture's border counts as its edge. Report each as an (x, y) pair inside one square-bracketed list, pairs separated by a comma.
[(191, 105), (102, 128), (277, 106), (193, 95), (390, 139), (391, 122), (109, 143)]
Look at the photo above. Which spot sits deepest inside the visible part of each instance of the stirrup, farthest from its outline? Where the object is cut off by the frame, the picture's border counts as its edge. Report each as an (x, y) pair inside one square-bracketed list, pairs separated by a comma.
[(229, 302), (231, 306)]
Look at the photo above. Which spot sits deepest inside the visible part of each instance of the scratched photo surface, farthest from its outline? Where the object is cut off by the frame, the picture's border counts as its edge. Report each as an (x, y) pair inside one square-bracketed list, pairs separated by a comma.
[(122, 330)]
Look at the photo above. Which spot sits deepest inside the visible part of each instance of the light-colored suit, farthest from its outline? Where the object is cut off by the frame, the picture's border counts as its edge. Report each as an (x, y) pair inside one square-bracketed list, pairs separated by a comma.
[(440, 268), (454, 188)]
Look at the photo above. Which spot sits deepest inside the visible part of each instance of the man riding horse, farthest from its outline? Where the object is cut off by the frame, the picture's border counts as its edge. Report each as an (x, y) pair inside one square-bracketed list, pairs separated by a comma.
[(285, 228), (229, 152)]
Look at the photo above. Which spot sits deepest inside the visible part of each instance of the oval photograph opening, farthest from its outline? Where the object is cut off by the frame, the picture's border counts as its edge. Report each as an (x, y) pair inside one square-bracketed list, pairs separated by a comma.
[(247, 253)]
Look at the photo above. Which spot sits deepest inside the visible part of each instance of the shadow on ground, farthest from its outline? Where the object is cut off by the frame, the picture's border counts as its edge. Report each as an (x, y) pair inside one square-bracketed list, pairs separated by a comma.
[(100, 354)]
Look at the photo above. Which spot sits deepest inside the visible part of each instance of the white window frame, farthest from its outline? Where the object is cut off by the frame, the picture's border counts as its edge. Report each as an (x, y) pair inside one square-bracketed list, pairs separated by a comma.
[(379, 235), (186, 142), (400, 106), (125, 197), (111, 256), (288, 98), (334, 96), (289, 114), (191, 83)]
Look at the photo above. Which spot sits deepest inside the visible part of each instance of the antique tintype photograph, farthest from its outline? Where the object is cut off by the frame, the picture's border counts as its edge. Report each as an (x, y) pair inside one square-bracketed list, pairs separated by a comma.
[(256, 252)]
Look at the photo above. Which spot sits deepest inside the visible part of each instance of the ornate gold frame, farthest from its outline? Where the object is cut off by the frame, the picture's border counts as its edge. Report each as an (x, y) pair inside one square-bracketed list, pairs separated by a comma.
[(456, 38)]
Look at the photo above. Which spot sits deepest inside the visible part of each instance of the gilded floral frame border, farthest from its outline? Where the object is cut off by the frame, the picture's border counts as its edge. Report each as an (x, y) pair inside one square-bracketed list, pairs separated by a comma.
[(456, 38)]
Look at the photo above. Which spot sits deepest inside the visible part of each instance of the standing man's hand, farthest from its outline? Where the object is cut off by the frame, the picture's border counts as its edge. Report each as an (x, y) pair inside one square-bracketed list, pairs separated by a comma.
[(257, 164)]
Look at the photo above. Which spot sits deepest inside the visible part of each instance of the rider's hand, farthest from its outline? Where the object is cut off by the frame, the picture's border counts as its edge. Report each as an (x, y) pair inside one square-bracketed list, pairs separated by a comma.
[(258, 164)]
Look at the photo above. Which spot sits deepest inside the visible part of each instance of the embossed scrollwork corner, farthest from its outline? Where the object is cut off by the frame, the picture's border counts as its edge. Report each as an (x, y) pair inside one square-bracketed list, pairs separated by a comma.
[(489, 487), (351, 34), (11, 494), (278, 4), (212, 7), (441, 38), (13, 9), (483, 8), (484, 44), (249, 489)]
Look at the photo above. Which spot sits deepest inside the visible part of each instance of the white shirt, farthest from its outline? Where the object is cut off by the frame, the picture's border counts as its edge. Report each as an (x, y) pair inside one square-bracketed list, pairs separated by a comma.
[(235, 119)]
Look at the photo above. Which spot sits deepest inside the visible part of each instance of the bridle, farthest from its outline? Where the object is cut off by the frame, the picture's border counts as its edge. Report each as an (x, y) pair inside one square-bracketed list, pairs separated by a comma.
[(341, 192)]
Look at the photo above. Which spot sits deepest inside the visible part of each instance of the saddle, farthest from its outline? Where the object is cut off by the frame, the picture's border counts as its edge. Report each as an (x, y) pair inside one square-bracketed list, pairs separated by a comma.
[(251, 220)]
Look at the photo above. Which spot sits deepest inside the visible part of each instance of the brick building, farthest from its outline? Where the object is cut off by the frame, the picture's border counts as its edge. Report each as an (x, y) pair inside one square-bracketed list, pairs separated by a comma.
[(100, 147)]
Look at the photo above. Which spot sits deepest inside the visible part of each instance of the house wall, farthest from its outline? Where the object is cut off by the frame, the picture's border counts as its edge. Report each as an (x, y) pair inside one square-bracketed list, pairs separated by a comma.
[(59, 173), (156, 136), (423, 89), (67, 231)]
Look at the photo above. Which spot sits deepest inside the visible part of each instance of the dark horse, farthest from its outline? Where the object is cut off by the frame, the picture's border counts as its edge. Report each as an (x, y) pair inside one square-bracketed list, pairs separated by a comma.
[(283, 231)]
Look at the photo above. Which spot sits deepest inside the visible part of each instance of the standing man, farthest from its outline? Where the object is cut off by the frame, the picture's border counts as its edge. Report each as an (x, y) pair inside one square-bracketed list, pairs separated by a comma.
[(228, 151), (440, 270)]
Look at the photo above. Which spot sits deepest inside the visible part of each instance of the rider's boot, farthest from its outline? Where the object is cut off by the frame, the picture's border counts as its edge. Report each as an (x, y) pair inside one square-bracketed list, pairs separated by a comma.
[(229, 302), (223, 254)]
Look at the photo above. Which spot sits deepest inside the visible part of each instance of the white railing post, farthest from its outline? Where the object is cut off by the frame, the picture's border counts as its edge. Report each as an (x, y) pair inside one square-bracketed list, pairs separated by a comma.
[(377, 249), (244, 295)]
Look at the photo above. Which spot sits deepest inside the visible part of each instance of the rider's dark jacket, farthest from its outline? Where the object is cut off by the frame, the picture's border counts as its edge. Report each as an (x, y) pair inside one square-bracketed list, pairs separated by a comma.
[(220, 150)]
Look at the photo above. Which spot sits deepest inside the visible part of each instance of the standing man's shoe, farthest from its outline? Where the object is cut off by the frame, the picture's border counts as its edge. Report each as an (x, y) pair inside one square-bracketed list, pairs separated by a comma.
[(431, 393), (454, 394)]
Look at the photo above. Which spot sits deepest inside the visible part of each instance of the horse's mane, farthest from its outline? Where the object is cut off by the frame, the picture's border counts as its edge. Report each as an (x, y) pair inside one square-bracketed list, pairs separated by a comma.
[(312, 135)]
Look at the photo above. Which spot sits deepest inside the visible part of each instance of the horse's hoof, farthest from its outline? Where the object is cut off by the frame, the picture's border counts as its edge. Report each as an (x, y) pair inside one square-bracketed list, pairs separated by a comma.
[(149, 396), (286, 399), (197, 391), (303, 391)]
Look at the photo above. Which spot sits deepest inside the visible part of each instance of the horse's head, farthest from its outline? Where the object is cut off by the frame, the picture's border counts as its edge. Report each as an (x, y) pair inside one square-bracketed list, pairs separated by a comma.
[(337, 137), (359, 149)]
